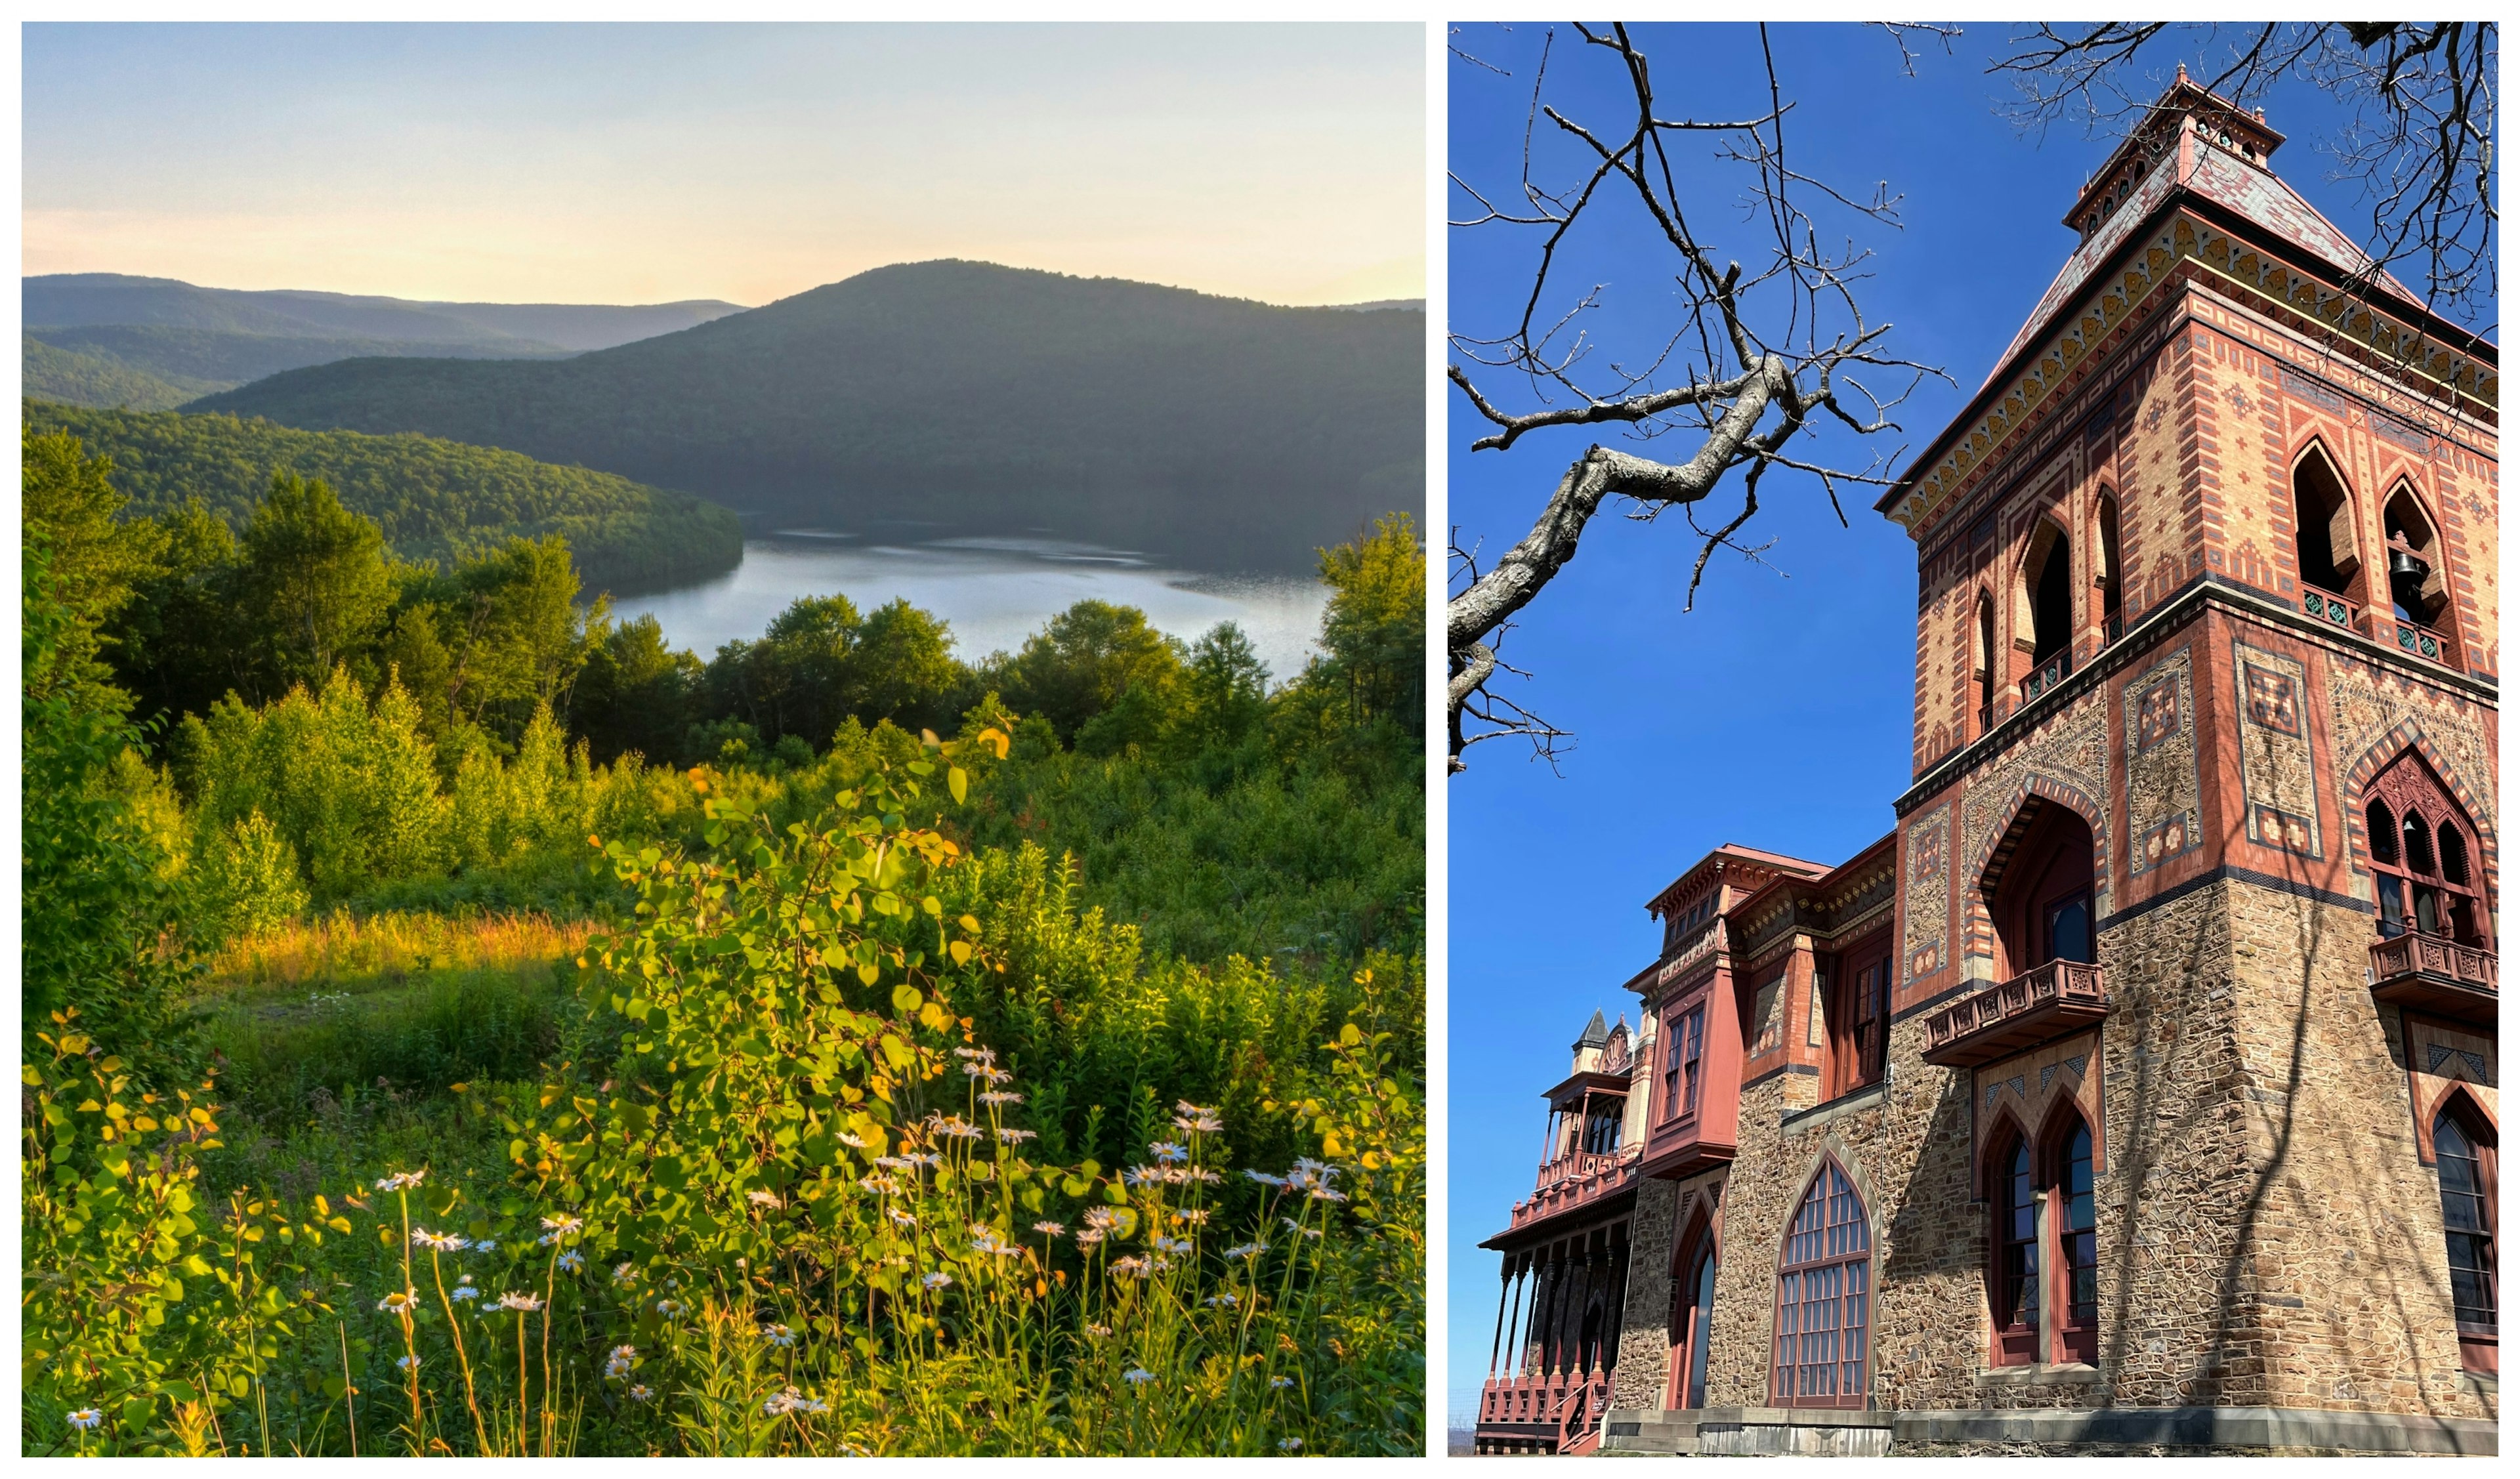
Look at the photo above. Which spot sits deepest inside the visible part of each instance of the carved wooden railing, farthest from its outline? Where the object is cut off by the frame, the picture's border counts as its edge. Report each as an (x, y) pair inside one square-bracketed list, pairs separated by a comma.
[(2043, 1001), (1572, 1180), (2335, 610), (2418, 640), (2047, 675), (2435, 974), (1568, 1402)]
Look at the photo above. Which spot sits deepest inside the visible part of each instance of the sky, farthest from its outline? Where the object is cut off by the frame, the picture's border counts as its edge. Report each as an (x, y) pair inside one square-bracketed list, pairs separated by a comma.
[(653, 163), (1778, 714)]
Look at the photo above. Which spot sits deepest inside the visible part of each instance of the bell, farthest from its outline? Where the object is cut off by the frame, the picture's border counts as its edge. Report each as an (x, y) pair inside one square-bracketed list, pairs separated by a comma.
[(2405, 566)]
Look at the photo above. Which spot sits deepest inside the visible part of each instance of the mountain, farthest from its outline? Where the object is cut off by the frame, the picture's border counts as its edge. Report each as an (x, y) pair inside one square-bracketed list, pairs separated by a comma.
[(87, 379), (78, 299), (960, 396), (433, 500), (207, 361)]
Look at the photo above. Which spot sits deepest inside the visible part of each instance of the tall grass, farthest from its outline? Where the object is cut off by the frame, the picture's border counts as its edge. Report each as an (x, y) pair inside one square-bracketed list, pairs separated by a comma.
[(346, 952)]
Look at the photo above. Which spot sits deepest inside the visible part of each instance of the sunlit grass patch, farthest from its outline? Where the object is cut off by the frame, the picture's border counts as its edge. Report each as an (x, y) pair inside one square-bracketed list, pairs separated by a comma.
[(341, 952)]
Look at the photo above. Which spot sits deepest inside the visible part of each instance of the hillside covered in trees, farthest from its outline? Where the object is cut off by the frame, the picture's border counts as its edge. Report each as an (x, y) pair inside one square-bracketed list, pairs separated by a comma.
[(1230, 433), (431, 499)]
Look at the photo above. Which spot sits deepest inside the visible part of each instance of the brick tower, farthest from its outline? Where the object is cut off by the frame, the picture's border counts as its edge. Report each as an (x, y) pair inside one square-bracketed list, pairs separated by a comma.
[(2139, 1090)]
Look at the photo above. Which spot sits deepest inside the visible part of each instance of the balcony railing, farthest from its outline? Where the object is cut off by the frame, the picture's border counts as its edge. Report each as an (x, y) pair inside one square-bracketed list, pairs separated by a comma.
[(1571, 1181), (1555, 1400), (2433, 975), (2335, 610), (2042, 1003), (2047, 675), (2418, 640)]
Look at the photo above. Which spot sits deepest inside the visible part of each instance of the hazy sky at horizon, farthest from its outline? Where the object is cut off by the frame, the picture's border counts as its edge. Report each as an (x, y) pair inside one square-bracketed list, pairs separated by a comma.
[(648, 163)]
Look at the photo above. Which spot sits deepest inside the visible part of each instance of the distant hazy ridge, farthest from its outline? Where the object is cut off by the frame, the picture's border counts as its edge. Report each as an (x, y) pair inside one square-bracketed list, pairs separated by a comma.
[(965, 395)]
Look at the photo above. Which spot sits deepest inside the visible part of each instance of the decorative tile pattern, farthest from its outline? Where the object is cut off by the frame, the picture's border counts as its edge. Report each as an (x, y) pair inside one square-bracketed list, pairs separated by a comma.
[(2454, 1060), (2377, 715), (2162, 788), (2278, 780)]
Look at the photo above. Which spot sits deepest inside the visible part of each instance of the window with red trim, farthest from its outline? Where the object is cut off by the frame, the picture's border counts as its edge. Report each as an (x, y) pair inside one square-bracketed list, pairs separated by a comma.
[(2078, 1247), (2420, 856), (2464, 1155), (1692, 1321), (2017, 1260), (1858, 1025), (1682, 1070), (1825, 1298)]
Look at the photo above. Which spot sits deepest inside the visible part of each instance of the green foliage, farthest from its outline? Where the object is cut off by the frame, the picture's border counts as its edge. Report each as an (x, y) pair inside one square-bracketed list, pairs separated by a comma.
[(315, 575), (1252, 434), (433, 499), (247, 880), (100, 927), (146, 1310), (1086, 663), (73, 378)]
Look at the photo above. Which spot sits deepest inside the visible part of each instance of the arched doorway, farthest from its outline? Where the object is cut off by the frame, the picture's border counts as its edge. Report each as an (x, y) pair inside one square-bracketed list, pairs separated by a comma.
[(2041, 904), (1693, 1315)]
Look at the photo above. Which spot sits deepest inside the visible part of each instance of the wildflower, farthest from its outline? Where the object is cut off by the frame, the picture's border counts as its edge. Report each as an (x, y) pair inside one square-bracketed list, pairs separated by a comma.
[(927, 1157), (1290, 1445), (401, 1181), (1172, 1244), (791, 1401), (463, 1293), (958, 1128), (1015, 1136), (895, 1163), (779, 1335), (398, 1304), (1293, 1226), (1050, 1228), (761, 1199), (571, 1261), (1137, 1376), (990, 1244), (436, 1243), (524, 1303), (1247, 1250), (1096, 1329), (850, 1138), (1204, 1122), (880, 1185), (85, 1418), (1086, 1237), (1102, 1218), (936, 1281), (1144, 1175), (1201, 1173), (1131, 1268), (623, 1272), (670, 1307), (900, 1218), (1324, 1193), (1265, 1179), (978, 1055), (1197, 1217), (486, 1246), (999, 1076), (641, 1393), (563, 1225), (1167, 1151), (1282, 1382), (1222, 1301), (617, 1365), (995, 1098), (407, 1364)]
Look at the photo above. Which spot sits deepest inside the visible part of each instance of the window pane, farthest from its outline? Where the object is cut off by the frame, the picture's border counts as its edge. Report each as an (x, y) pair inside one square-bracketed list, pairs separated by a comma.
[(2393, 905), (2069, 930), (2383, 830)]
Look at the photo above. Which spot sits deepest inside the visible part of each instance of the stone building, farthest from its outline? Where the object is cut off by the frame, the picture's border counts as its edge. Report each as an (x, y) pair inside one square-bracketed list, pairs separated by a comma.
[(2137, 1091)]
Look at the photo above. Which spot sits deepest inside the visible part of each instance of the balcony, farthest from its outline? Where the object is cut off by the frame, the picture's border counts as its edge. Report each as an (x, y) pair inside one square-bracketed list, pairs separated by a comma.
[(1571, 1180), (2433, 975), (2047, 675), (2416, 640), (1543, 1411), (2335, 610), (2040, 1003)]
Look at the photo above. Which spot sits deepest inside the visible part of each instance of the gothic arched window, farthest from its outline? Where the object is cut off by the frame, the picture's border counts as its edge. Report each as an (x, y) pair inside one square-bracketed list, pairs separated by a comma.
[(1825, 1298), (1692, 1319), (2421, 856), (2324, 543), (2017, 1256), (2077, 1239), (2464, 1153)]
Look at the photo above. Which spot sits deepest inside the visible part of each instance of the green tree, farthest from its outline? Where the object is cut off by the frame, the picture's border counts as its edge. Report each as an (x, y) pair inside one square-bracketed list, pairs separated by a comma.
[(901, 667), (636, 694), (316, 576), (1374, 636), (1089, 655), (93, 558), (518, 637), (1224, 691), (180, 645)]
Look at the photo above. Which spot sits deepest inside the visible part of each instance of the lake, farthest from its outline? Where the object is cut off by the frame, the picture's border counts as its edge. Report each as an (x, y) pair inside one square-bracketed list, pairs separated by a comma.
[(994, 592)]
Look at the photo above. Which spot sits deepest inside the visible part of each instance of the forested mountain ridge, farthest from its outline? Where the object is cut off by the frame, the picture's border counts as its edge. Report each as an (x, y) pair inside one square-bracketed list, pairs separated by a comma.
[(186, 364), (431, 499), (961, 395), (75, 378), (75, 299)]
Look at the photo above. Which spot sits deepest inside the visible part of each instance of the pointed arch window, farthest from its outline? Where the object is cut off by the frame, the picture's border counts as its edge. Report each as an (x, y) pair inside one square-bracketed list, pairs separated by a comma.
[(2421, 851), (2323, 544), (2464, 1154), (1692, 1317), (2042, 1280), (1986, 664), (2017, 1245), (2112, 584), (1825, 1298)]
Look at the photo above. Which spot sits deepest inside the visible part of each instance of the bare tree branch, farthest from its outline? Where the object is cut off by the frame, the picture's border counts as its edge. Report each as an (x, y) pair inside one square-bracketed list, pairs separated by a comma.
[(1743, 380)]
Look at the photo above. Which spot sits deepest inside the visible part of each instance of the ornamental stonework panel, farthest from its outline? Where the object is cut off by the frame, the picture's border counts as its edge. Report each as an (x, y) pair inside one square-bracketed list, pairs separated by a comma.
[(1767, 1017), (2440, 1058), (2162, 786), (2377, 714), (2278, 779), (2029, 1088), (1928, 853)]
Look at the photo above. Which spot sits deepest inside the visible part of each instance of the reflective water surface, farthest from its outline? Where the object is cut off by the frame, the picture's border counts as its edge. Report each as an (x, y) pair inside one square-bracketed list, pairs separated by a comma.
[(993, 592)]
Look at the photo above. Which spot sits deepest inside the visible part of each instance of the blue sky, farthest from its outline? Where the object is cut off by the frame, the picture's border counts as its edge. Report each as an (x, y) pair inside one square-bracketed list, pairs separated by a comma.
[(1776, 715), (613, 163)]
